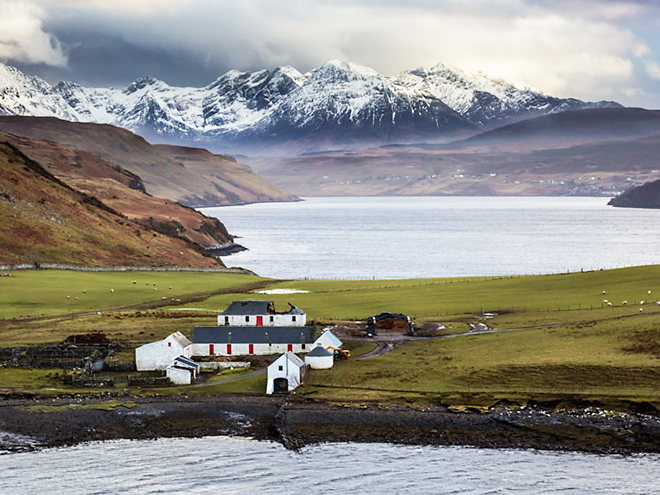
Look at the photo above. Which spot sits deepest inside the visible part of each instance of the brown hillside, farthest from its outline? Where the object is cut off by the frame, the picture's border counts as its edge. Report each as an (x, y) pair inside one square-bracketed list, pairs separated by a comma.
[(122, 191), (191, 176), (42, 219)]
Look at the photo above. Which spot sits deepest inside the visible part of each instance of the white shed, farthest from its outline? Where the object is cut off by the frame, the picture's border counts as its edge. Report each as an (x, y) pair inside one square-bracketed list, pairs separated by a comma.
[(327, 340), (285, 373), (159, 355), (182, 371), (319, 358)]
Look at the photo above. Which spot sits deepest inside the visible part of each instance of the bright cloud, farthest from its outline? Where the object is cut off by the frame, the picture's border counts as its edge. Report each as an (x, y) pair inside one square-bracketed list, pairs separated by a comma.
[(22, 37)]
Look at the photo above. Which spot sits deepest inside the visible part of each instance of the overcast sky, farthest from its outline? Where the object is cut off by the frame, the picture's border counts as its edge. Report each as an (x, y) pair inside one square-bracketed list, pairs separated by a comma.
[(582, 48)]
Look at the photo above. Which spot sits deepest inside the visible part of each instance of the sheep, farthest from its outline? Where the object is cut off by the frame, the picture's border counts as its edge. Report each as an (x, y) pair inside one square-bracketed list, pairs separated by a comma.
[(609, 304), (624, 303), (657, 303), (68, 297), (85, 291), (641, 303), (648, 292), (604, 292), (155, 289), (164, 298), (641, 310), (170, 287), (134, 282), (112, 290), (605, 301), (76, 298)]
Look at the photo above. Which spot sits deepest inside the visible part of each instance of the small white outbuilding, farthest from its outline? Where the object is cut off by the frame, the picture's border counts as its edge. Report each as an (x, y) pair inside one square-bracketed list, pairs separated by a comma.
[(285, 373), (327, 340), (159, 355), (182, 371), (319, 358)]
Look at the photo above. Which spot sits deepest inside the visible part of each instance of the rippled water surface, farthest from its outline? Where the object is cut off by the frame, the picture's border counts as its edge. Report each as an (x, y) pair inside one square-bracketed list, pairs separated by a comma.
[(406, 237), (230, 465)]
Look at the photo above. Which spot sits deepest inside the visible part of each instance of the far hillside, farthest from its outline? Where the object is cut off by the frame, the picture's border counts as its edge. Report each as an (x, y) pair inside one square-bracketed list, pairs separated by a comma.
[(43, 219), (193, 177)]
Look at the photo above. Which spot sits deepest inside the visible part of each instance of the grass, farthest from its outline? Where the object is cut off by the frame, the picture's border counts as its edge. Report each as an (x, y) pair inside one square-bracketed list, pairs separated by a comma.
[(128, 328), (438, 299), (51, 292), (591, 350), (359, 347), (614, 358), (30, 378)]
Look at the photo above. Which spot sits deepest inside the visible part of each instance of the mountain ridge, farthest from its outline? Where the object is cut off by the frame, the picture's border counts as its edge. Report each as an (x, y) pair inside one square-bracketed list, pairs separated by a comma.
[(338, 105)]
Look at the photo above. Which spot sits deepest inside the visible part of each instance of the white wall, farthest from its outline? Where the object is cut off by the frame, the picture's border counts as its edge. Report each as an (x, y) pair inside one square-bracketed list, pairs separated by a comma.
[(326, 340), (289, 371), (320, 362), (178, 376), (220, 349), (278, 320), (159, 355)]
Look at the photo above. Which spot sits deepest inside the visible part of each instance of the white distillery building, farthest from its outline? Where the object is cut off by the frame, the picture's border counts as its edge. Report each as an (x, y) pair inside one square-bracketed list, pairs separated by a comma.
[(159, 355), (319, 358), (285, 373), (241, 341), (328, 340), (261, 314), (182, 371)]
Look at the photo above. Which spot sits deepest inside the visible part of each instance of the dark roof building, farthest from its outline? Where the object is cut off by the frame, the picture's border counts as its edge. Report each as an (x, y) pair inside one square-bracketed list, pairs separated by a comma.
[(253, 308), (253, 335)]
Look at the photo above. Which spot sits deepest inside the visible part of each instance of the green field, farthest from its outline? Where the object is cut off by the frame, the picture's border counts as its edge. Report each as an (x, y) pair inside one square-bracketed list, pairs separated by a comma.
[(30, 293), (435, 299), (573, 343)]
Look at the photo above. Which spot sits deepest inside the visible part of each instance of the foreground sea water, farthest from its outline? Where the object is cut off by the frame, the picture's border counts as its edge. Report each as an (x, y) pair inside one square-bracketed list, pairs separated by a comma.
[(237, 465), (411, 237)]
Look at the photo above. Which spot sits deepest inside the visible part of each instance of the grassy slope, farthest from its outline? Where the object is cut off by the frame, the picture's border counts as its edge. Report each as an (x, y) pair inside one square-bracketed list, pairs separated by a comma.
[(619, 359), (33, 293), (599, 358), (433, 298)]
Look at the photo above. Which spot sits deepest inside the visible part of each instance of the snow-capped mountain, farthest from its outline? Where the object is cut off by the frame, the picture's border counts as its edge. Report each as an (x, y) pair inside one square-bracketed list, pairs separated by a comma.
[(339, 105)]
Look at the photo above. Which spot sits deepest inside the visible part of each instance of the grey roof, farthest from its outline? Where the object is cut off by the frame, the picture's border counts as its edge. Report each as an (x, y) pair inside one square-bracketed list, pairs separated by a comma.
[(248, 308), (253, 335), (319, 352), (252, 308), (182, 361)]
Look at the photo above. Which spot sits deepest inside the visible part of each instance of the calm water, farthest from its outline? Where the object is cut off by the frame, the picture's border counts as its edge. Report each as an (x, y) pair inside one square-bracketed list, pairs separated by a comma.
[(407, 237), (227, 465)]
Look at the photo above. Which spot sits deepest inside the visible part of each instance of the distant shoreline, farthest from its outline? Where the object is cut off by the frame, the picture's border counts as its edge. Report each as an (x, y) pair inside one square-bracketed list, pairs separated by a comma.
[(32, 424)]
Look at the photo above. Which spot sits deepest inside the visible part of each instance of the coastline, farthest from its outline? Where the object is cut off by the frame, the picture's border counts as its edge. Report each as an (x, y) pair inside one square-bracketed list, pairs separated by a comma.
[(32, 424)]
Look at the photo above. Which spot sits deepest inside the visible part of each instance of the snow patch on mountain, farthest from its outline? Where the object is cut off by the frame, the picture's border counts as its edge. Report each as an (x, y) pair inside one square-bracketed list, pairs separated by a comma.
[(338, 99)]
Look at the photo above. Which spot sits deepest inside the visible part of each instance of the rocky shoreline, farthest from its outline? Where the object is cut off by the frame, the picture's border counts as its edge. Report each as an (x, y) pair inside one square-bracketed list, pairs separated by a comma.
[(33, 424)]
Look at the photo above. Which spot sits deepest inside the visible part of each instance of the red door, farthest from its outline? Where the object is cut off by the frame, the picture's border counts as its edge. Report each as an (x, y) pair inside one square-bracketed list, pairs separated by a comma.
[(251, 349), (290, 348), (228, 348), (211, 350), (260, 322)]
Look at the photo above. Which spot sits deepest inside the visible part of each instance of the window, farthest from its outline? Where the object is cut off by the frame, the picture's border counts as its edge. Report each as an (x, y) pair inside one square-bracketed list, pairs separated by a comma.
[(247, 319), (280, 367), (272, 319), (293, 318), (169, 344), (303, 346), (226, 320)]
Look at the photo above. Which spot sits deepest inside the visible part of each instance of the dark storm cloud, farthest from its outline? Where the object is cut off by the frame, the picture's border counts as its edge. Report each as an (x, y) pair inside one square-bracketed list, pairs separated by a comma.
[(581, 48)]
